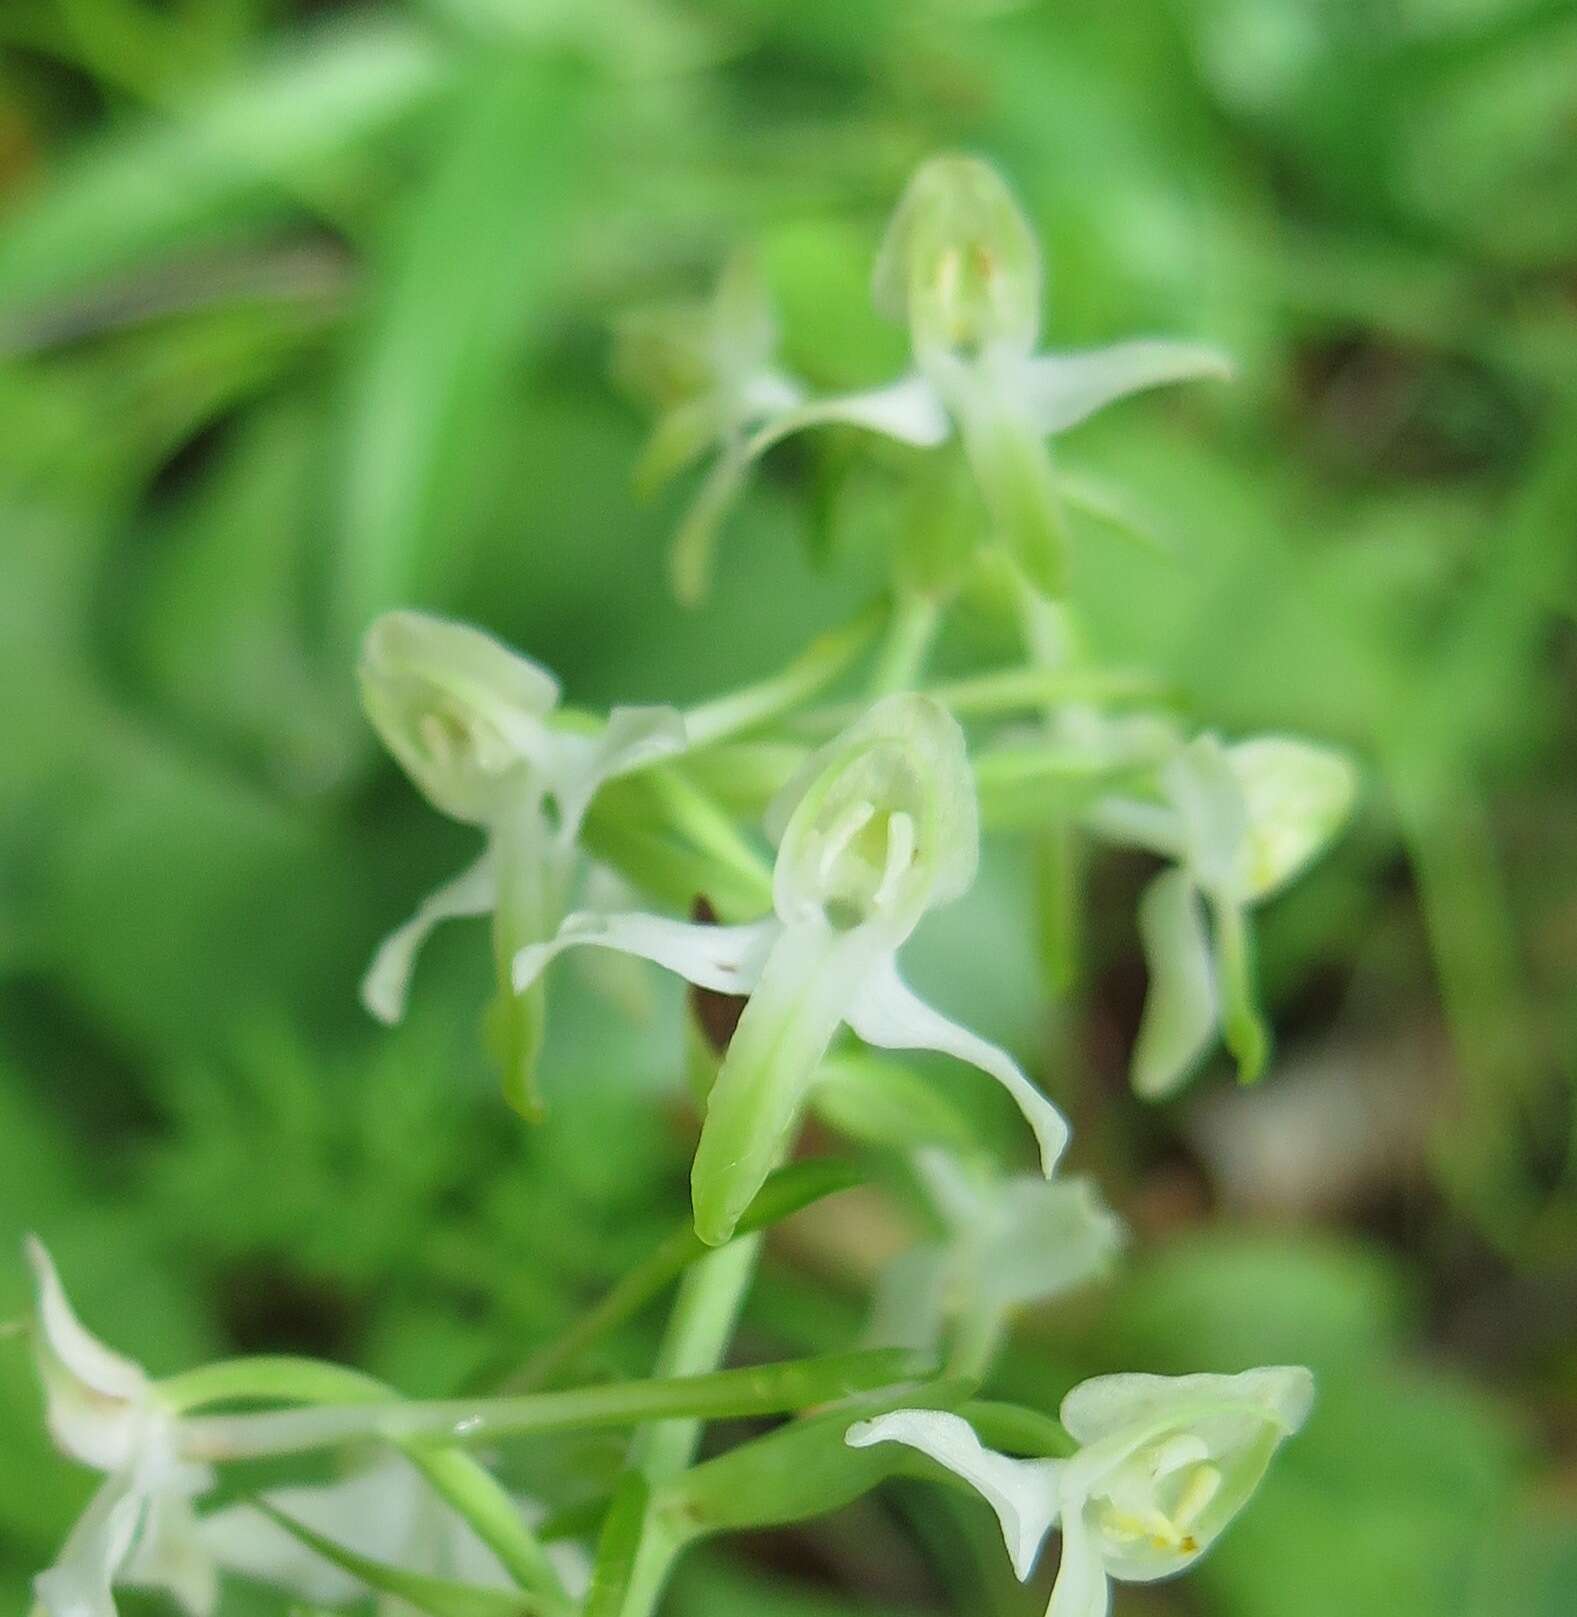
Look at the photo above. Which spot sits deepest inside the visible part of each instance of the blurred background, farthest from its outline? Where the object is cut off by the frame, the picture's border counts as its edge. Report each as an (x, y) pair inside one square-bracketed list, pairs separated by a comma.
[(305, 312)]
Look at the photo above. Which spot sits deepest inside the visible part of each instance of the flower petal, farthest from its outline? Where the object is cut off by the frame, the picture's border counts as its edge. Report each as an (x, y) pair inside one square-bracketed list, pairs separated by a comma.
[(97, 1401), (1104, 1405), (384, 987), (887, 1014), (169, 1552), (632, 738), (679, 438), (1208, 796), (1054, 1236), (909, 410), (1023, 1493), (1179, 1022), (1297, 797), (1081, 1589), (80, 1581), (726, 959), (383, 1513), (690, 559), (1061, 390)]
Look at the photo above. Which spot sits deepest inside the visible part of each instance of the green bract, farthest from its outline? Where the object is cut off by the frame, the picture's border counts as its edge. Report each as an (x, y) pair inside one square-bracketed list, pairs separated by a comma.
[(961, 267), (878, 827), (1240, 822), (1164, 1463), (469, 721)]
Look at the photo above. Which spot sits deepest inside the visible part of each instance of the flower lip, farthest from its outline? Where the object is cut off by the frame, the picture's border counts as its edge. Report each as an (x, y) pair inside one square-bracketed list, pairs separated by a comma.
[(458, 709)]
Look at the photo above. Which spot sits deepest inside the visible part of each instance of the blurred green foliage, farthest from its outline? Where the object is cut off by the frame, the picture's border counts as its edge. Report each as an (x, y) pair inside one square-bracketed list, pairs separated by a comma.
[(304, 314)]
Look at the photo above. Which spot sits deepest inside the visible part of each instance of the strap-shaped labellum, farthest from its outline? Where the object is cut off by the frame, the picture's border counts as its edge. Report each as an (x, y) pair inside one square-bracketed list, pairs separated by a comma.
[(793, 1015)]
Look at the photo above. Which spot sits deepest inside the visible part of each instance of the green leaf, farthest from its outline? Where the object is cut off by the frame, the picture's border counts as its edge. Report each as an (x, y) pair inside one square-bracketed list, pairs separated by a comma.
[(438, 1597), (230, 158), (482, 242), (802, 1469)]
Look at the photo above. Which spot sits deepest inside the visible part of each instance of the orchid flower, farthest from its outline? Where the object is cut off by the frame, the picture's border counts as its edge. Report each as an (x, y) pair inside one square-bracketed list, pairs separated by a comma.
[(385, 1513), (879, 827), (1164, 1464), (1009, 1243), (469, 721), (1240, 822), (961, 268), (102, 1409)]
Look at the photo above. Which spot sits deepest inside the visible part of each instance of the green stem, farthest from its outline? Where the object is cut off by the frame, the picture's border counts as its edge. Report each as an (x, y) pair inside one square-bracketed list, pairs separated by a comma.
[(766, 1389), (465, 1485), (975, 1346), (699, 1331), (907, 645)]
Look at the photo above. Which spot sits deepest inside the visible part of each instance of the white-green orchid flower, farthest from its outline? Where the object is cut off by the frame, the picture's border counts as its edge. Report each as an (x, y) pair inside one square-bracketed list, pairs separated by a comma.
[(879, 827), (961, 268), (1164, 1463), (1009, 1244), (1240, 822), (385, 1513), (139, 1528), (469, 720), (710, 367)]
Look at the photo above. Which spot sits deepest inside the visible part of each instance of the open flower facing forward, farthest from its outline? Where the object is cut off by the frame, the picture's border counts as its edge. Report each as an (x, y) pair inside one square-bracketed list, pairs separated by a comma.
[(879, 827), (961, 268), (1239, 822), (1009, 1243), (470, 721), (139, 1528), (1163, 1465)]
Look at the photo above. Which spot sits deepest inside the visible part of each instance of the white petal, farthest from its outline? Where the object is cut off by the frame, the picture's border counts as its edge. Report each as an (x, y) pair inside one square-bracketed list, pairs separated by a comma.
[(909, 1305), (1209, 799), (690, 560), (472, 892), (1081, 1589), (1023, 1493), (726, 959), (1055, 1236), (909, 410), (79, 1583), (1061, 390), (170, 1553), (1179, 1022), (1098, 1408), (632, 738), (887, 1014), (372, 1513), (1298, 797), (97, 1401)]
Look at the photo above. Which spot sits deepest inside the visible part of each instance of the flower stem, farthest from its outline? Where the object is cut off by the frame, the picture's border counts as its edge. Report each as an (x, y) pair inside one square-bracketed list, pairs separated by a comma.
[(901, 661), (699, 1331)]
